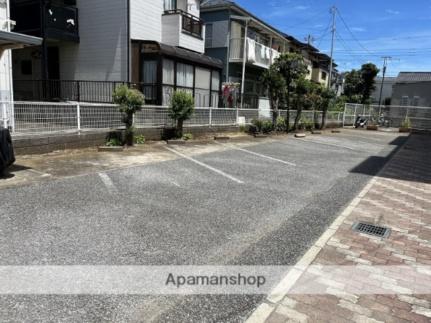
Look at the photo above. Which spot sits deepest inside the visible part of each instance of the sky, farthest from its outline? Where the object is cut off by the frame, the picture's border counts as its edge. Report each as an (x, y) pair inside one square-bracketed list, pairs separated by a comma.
[(366, 30)]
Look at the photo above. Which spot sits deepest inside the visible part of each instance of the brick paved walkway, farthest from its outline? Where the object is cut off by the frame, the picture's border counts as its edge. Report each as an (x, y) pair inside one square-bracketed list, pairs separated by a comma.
[(399, 198)]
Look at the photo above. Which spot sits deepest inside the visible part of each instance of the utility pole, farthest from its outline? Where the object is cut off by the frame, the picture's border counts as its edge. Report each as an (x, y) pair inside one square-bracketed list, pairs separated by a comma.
[(385, 64), (310, 40), (333, 30)]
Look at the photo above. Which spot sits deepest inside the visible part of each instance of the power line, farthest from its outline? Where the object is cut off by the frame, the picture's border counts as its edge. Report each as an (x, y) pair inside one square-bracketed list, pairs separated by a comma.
[(350, 31)]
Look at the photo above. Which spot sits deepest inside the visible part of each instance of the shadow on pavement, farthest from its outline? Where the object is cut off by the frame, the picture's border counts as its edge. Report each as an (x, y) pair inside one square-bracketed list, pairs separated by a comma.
[(412, 164)]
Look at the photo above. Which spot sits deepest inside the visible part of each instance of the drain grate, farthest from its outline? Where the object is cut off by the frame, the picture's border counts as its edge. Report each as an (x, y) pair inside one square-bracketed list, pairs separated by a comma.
[(371, 229)]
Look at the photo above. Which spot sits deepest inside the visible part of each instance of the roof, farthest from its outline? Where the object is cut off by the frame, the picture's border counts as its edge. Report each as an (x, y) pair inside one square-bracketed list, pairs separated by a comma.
[(413, 77), (187, 55), (10, 40), (227, 4)]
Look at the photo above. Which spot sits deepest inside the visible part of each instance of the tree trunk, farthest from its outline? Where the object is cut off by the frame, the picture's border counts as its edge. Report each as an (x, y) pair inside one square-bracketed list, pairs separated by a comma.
[(298, 115), (180, 123), (323, 125), (129, 135)]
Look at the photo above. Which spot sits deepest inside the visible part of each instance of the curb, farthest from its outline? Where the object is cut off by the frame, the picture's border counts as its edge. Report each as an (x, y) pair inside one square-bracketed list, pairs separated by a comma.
[(265, 309)]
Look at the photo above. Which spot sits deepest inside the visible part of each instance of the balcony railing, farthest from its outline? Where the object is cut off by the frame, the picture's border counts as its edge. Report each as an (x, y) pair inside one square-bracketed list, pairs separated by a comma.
[(262, 55), (59, 22), (62, 23), (65, 90), (190, 24)]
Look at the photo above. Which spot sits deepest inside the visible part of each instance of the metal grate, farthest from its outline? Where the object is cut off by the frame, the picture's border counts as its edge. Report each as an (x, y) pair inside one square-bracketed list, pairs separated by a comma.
[(371, 229)]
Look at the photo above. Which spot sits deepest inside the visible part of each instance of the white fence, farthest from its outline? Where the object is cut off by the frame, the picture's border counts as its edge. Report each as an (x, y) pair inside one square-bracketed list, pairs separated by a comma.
[(47, 117), (389, 116)]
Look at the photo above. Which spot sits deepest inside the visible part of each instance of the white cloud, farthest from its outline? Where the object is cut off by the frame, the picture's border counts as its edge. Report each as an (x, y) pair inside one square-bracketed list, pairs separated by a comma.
[(392, 12), (300, 7), (358, 29)]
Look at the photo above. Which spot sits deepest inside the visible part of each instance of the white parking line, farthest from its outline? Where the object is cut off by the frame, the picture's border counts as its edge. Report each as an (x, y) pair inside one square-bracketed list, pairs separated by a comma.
[(108, 182), (329, 144), (215, 170), (259, 155)]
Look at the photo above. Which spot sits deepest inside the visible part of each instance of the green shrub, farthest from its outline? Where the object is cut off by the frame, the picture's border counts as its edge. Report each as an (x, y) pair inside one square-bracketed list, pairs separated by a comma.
[(187, 136), (242, 128), (140, 140), (267, 126), (258, 124), (251, 129), (181, 109), (130, 101), (280, 124), (113, 142), (406, 123), (307, 124)]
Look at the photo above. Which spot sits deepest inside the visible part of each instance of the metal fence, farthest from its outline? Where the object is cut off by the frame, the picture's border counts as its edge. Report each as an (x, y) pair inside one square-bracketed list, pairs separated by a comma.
[(389, 116), (50, 117)]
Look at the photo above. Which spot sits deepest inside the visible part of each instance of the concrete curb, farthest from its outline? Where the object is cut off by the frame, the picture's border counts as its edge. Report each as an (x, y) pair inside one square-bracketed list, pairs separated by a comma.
[(265, 309)]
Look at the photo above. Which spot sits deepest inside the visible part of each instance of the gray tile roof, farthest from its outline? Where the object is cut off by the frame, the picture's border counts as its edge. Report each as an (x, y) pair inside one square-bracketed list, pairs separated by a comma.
[(215, 3), (413, 77)]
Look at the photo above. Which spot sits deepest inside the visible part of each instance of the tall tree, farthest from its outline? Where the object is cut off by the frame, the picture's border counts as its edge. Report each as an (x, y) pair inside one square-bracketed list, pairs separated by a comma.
[(292, 67), (327, 96), (352, 86), (369, 72), (275, 84)]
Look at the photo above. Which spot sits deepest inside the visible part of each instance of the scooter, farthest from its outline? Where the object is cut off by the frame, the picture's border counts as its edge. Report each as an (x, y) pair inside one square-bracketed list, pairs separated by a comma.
[(360, 122)]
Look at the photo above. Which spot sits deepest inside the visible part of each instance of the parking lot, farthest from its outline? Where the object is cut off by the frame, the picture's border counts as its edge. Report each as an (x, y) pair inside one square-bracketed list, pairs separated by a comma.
[(245, 202)]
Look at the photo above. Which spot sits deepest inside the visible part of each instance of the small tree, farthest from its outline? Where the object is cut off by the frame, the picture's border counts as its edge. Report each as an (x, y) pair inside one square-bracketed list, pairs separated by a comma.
[(292, 67), (130, 101), (275, 84), (181, 109), (327, 96)]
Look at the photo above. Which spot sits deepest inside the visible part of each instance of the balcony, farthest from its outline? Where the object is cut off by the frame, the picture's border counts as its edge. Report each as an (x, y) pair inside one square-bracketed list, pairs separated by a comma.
[(59, 22), (256, 54), (182, 29)]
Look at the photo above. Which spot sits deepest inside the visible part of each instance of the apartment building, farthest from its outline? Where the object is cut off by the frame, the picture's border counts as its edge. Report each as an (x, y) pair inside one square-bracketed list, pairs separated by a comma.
[(8, 41), (233, 33), (246, 45), (157, 45)]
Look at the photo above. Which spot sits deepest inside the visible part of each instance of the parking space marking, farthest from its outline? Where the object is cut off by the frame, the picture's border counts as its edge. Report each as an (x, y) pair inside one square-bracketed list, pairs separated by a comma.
[(215, 170), (259, 155), (108, 182), (330, 144)]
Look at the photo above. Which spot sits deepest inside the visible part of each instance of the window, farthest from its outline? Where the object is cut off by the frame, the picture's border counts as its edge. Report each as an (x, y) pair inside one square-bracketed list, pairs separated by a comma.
[(405, 101), (170, 5), (324, 76), (184, 75), (26, 67), (150, 80), (202, 91), (416, 101), (208, 35), (168, 72)]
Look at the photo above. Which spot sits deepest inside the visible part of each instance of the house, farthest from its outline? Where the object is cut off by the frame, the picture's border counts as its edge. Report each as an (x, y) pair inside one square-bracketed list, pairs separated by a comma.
[(227, 23), (158, 46), (412, 89), (387, 85), (9, 40), (246, 45)]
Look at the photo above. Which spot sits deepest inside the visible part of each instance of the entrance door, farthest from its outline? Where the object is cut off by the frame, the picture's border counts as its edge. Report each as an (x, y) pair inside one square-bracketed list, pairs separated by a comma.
[(54, 84)]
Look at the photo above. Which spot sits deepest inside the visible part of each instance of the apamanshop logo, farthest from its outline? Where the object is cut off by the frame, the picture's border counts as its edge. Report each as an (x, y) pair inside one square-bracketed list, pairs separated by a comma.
[(215, 280)]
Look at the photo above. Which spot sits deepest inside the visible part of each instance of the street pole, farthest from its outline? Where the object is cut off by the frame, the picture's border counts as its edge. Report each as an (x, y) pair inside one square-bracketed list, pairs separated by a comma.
[(334, 29), (385, 63), (244, 61)]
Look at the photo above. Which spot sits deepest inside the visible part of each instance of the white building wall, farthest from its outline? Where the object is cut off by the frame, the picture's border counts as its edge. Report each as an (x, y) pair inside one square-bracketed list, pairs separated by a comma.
[(146, 19), (147, 22), (102, 51), (6, 94)]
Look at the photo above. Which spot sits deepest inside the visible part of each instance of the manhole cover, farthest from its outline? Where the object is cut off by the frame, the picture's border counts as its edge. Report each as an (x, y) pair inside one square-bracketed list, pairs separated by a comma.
[(371, 229)]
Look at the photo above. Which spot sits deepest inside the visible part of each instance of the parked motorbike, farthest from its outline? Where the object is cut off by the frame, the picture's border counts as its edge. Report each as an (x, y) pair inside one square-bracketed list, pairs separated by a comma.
[(361, 122)]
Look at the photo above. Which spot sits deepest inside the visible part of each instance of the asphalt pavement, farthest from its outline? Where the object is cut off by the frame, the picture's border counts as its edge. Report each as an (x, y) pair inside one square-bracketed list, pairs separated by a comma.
[(256, 204)]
